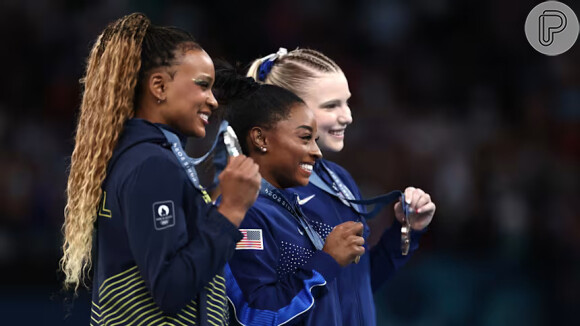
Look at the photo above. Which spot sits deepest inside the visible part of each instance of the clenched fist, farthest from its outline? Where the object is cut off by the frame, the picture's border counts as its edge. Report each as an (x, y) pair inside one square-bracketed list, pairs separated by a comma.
[(239, 185), (345, 243)]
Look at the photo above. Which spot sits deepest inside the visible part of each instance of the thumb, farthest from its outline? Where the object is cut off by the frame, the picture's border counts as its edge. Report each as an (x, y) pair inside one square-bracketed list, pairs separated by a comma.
[(359, 228), (399, 214)]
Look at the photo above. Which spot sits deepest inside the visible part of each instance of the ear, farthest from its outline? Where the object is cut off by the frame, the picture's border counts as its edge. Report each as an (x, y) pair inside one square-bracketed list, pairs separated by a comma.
[(258, 139), (156, 85)]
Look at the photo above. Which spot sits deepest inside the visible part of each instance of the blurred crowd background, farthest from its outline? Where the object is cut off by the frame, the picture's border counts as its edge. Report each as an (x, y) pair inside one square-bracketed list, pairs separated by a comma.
[(447, 96)]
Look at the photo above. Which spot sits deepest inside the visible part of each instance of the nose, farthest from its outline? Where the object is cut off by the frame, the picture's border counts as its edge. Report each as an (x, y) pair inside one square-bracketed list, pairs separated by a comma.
[(315, 150), (345, 116), (211, 101)]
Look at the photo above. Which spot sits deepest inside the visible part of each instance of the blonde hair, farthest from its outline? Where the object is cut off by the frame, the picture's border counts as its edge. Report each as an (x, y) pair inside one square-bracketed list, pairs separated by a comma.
[(295, 70), (108, 101)]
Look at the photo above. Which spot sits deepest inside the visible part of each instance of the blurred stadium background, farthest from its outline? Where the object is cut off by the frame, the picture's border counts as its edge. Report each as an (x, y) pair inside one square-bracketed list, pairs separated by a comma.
[(447, 95)]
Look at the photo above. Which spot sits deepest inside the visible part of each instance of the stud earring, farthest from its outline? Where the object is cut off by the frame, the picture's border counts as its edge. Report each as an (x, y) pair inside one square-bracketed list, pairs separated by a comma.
[(264, 149)]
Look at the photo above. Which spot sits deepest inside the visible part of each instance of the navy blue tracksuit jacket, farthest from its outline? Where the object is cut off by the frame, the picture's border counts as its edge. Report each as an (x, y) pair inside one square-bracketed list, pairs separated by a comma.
[(161, 245)]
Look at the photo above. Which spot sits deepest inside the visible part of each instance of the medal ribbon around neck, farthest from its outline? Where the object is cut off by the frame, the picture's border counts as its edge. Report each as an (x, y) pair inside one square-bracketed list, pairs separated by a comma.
[(277, 197), (189, 163)]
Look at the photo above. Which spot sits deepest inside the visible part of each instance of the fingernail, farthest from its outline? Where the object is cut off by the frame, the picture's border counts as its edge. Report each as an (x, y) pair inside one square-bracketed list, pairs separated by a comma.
[(408, 200), (419, 210), (410, 210)]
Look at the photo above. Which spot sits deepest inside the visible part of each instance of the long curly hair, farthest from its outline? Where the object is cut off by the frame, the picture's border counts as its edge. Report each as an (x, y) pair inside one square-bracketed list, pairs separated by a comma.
[(119, 61)]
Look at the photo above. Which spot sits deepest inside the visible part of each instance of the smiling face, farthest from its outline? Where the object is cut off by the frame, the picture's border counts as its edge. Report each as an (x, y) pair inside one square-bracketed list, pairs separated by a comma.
[(189, 100), (291, 149), (328, 97)]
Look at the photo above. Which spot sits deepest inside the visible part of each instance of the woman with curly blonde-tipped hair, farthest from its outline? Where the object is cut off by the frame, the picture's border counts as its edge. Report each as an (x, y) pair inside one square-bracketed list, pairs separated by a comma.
[(160, 244)]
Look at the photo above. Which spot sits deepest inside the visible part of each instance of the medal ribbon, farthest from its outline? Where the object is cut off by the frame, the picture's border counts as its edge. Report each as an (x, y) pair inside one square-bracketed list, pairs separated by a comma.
[(338, 189), (189, 163), (341, 191), (295, 211)]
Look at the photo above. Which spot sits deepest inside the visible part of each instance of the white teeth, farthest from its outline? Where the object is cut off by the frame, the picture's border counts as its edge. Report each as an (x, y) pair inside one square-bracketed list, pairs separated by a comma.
[(204, 116), (337, 132), (307, 167)]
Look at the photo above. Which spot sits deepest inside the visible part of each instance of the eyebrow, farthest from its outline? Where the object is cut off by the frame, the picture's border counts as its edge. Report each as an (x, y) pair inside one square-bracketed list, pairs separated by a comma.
[(305, 127), (335, 101), (204, 76)]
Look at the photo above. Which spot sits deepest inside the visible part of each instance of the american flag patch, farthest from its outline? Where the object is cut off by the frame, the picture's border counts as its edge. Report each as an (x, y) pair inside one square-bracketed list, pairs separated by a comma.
[(252, 240)]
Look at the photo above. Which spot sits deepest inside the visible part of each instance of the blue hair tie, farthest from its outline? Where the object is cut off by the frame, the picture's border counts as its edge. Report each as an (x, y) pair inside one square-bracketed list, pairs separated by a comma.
[(265, 69), (268, 63)]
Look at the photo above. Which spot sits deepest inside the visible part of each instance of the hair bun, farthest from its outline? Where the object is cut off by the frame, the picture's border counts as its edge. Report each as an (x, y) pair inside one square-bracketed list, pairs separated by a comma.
[(231, 86)]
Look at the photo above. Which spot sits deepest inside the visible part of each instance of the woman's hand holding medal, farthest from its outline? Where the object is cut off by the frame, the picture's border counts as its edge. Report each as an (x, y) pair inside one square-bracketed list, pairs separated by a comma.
[(421, 209)]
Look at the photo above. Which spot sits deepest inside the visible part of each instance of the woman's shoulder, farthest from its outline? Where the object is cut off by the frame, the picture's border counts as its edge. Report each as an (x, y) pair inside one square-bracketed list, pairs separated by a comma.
[(264, 212), (145, 159), (264, 208), (149, 155)]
